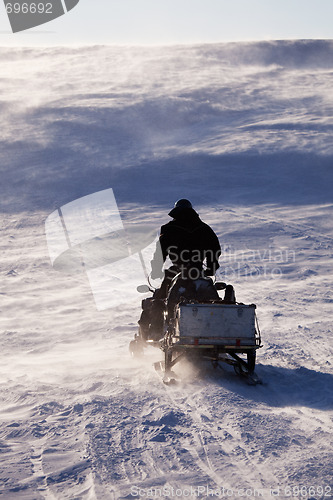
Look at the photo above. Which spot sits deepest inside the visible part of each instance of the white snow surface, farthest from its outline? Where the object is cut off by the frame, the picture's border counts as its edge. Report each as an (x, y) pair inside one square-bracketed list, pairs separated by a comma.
[(243, 130)]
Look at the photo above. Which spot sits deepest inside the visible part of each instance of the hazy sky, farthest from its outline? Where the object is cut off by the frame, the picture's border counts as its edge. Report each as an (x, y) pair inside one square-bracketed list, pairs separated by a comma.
[(178, 21)]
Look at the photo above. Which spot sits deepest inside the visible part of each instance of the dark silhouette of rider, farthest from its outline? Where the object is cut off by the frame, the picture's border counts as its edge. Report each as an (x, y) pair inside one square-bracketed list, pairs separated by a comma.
[(188, 242)]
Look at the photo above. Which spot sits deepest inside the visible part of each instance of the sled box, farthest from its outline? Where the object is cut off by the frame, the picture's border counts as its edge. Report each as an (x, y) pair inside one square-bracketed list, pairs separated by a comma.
[(232, 325)]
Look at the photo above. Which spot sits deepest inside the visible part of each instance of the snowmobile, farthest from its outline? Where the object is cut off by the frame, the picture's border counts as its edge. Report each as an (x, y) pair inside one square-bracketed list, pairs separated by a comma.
[(194, 321)]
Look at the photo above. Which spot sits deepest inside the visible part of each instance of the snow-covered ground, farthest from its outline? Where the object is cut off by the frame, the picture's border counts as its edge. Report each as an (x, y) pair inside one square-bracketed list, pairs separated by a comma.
[(245, 132)]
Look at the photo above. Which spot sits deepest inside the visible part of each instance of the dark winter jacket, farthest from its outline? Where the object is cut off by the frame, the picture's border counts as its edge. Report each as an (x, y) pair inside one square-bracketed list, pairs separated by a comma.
[(188, 242)]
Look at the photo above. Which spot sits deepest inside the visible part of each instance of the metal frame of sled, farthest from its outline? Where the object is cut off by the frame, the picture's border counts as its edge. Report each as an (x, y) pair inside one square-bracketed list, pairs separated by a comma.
[(215, 331)]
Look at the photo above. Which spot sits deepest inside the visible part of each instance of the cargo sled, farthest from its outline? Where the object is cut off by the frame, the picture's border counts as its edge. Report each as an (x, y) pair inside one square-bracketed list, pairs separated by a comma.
[(194, 321)]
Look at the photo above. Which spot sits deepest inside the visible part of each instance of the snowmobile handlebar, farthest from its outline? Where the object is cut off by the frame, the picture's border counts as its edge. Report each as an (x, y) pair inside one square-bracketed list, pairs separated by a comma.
[(219, 285)]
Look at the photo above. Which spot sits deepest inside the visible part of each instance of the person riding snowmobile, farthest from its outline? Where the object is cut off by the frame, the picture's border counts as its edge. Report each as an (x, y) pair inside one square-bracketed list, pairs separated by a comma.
[(188, 242)]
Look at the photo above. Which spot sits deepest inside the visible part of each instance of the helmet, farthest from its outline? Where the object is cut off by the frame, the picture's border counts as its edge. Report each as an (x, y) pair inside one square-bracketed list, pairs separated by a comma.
[(183, 204), (180, 207)]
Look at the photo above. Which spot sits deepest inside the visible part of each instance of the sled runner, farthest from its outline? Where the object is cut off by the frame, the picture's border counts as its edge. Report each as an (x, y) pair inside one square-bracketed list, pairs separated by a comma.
[(194, 321)]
